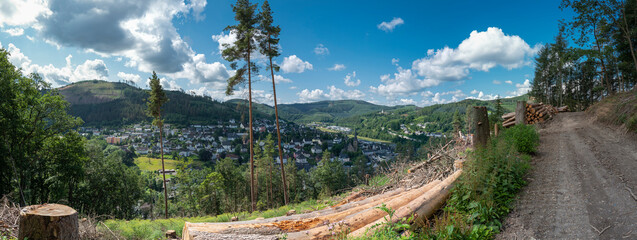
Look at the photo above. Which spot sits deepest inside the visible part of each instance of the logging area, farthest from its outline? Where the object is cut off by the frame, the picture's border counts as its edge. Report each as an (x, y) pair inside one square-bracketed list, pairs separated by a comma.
[(581, 185), (420, 190), (531, 113)]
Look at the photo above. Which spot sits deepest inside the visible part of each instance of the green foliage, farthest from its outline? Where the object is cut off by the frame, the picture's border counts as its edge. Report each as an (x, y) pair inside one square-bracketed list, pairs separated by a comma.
[(156, 100), (269, 44), (524, 137), (241, 49), (485, 191), (329, 175), (117, 186), (602, 62), (37, 139)]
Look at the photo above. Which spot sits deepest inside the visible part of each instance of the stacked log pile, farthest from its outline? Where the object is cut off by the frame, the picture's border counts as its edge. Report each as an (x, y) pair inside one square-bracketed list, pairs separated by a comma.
[(534, 113)]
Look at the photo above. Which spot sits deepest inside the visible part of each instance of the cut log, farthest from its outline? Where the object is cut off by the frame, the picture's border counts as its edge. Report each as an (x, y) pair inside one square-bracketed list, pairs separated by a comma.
[(562, 109), (361, 219), (295, 222), (508, 115), (352, 197), (421, 207), (508, 124), (48, 221), (509, 120), (496, 130)]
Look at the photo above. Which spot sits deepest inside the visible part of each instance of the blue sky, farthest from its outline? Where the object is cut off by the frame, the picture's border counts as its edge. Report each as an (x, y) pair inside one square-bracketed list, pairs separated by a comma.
[(385, 52)]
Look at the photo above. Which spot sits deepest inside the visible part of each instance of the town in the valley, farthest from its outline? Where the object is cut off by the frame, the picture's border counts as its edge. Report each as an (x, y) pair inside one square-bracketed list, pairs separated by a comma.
[(304, 144)]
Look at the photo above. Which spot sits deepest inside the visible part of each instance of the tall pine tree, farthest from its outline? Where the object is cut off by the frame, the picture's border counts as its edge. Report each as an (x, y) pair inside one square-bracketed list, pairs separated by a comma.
[(155, 101), (240, 50), (269, 48)]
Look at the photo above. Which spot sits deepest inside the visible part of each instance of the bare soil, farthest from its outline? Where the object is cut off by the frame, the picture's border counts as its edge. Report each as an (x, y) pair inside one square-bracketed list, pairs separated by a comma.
[(582, 184)]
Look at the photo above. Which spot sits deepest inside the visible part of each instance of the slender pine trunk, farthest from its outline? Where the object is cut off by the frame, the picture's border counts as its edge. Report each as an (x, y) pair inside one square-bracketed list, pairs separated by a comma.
[(601, 59), (252, 193), (163, 169), (278, 133)]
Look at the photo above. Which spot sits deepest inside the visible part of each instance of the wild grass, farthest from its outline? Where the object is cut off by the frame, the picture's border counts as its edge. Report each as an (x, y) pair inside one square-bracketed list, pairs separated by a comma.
[(484, 193), (154, 164)]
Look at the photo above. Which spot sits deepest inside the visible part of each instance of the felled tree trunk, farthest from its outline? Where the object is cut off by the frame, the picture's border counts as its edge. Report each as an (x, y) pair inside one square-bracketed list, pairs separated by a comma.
[(48, 221), (481, 123)]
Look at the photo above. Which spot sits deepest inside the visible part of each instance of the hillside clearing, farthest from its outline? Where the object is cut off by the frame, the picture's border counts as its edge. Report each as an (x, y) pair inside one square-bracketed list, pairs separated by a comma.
[(154, 164)]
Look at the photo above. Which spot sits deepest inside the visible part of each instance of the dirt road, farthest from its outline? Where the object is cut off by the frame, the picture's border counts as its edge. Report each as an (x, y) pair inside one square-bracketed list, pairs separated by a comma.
[(579, 186)]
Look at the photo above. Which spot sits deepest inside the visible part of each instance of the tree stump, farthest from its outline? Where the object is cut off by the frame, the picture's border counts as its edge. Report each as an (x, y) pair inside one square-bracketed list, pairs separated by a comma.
[(481, 123), (49, 222), (520, 113)]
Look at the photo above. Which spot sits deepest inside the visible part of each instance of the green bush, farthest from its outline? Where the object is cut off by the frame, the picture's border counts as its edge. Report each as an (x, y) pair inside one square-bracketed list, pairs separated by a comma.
[(484, 193), (524, 137)]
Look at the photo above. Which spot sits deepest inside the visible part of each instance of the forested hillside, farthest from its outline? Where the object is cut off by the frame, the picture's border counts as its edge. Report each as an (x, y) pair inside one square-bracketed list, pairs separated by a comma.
[(331, 111), (437, 118), (101, 103), (109, 103)]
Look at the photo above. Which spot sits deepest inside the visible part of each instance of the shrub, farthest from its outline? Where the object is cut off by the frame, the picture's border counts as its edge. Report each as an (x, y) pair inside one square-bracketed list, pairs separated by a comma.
[(523, 137), (484, 193)]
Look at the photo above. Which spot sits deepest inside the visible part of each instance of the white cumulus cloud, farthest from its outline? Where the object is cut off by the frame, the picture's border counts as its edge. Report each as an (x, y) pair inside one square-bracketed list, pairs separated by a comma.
[(130, 77), (294, 64), (481, 51), (332, 93), (14, 31), (141, 31), (482, 96), (337, 67), (94, 69), (321, 50), (277, 79), (522, 89), (351, 80), (389, 26), (22, 12), (403, 82)]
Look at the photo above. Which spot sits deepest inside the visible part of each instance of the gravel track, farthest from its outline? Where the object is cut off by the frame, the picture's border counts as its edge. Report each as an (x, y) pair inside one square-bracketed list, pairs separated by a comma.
[(579, 186)]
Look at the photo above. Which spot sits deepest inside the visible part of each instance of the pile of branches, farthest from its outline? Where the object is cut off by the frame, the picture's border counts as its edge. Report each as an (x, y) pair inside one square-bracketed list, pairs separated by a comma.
[(9, 216), (439, 165)]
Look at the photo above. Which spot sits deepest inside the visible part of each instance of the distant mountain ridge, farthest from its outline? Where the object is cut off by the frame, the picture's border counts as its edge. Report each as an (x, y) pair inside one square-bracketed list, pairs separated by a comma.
[(101, 103), (112, 103)]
